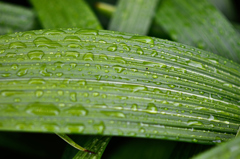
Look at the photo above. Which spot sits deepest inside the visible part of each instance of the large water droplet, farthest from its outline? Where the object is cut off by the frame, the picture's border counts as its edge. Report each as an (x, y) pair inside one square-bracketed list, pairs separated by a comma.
[(73, 96), (36, 54), (118, 68), (88, 57), (76, 110), (22, 72), (74, 54), (16, 45), (72, 39), (99, 127), (112, 48), (194, 122), (113, 114), (87, 32), (151, 108), (144, 39), (42, 109)]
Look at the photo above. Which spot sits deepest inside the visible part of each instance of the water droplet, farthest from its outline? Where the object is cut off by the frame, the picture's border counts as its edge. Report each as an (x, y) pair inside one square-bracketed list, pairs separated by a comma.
[(8, 93), (87, 32), (103, 57), (118, 68), (45, 42), (88, 57), (36, 55), (14, 66), (144, 39), (59, 64), (120, 60), (43, 71), (194, 122), (73, 96), (38, 93), (154, 76), (10, 55), (112, 48), (171, 86), (228, 85), (36, 81), (22, 72), (76, 110), (75, 128), (74, 54), (72, 39), (99, 127), (142, 130), (151, 108), (42, 109), (134, 107), (53, 32), (195, 64), (113, 114), (140, 51), (74, 46), (17, 45)]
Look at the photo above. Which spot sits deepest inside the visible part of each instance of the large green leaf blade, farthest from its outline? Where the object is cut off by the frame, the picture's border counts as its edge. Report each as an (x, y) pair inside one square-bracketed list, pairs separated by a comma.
[(74, 81), (133, 16), (199, 24), (64, 14)]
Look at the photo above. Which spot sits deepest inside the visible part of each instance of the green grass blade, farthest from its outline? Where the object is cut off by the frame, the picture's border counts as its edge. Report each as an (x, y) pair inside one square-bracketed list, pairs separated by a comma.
[(16, 18), (133, 16), (92, 142), (72, 143), (95, 143), (112, 83), (64, 14), (199, 24), (228, 150)]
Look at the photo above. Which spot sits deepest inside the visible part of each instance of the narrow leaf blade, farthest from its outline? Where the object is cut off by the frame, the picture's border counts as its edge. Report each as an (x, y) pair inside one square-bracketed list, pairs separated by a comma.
[(64, 14), (133, 16)]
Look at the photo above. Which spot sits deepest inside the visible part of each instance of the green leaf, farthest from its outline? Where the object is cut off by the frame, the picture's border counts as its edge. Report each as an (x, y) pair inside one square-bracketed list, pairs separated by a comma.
[(228, 150), (64, 14), (16, 18), (112, 83), (72, 143), (95, 143), (133, 16), (199, 24)]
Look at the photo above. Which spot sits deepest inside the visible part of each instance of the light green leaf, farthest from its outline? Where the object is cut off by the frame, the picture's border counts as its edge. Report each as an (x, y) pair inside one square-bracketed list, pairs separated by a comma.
[(64, 14), (200, 24), (133, 16), (16, 18)]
